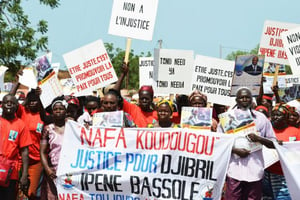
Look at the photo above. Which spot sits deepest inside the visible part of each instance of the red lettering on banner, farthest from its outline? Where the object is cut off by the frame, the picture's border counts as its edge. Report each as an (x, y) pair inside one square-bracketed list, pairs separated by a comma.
[(75, 69), (282, 54), (73, 196), (139, 143), (274, 31), (81, 87), (95, 137), (276, 42), (106, 137), (177, 140), (95, 61), (267, 52), (106, 76), (109, 65), (121, 136), (83, 136)]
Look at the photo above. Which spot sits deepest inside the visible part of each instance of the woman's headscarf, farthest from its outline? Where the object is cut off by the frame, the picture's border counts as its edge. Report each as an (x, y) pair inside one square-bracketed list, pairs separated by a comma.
[(167, 102)]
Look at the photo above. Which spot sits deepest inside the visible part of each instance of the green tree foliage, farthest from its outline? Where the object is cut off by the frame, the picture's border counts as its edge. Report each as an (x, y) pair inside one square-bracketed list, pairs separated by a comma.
[(234, 54), (117, 56), (18, 40)]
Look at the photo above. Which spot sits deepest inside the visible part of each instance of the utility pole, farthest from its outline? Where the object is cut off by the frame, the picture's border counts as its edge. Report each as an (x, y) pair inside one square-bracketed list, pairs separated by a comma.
[(160, 43)]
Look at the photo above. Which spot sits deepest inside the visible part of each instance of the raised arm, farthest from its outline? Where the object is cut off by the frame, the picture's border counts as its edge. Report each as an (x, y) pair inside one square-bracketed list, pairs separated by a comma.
[(125, 68), (16, 86), (275, 91)]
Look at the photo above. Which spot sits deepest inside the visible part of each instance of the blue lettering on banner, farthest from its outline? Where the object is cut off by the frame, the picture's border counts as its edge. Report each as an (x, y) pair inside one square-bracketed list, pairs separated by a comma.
[(97, 160), (109, 160), (141, 162)]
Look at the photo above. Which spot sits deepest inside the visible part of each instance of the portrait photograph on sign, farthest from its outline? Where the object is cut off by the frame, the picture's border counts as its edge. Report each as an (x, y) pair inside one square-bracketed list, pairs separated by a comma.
[(248, 72)]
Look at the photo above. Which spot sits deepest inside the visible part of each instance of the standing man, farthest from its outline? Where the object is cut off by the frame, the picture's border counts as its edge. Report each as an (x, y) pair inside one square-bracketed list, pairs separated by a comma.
[(15, 139), (254, 68), (246, 169)]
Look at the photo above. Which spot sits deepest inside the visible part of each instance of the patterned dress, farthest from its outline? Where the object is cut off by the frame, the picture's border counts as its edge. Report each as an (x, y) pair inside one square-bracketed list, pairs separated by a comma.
[(55, 141)]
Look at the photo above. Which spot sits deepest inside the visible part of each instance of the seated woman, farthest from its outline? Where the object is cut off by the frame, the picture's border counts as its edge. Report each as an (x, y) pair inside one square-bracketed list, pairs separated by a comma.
[(164, 115)]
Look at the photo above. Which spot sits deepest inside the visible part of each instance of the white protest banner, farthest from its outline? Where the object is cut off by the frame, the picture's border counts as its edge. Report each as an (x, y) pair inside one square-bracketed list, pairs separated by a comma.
[(146, 65), (212, 76), (51, 88), (248, 72), (7, 86), (68, 86), (172, 71), (90, 67), (268, 83), (28, 78), (291, 80), (271, 45), (270, 156), (289, 154), (137, 164), (291, 41), (2, 72), (133, 18)]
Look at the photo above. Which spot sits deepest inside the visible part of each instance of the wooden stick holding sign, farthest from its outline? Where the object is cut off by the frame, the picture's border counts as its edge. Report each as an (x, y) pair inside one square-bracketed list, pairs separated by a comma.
[(127, 52), (126, 60), (276, 75)]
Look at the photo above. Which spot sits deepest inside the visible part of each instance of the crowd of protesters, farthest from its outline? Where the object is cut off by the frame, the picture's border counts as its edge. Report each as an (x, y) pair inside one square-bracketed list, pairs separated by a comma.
[(32, 136)]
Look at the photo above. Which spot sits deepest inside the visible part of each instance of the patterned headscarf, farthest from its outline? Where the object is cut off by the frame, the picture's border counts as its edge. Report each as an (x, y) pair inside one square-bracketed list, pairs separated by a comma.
[(72, 100), (281, 107), (167, 102), (63, 102)]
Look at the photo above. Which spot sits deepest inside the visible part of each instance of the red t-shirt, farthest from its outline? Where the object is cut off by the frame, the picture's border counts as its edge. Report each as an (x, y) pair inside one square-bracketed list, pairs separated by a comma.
[(288, 134), (14, 135), (176, 118), (140, 118), (35, 126)]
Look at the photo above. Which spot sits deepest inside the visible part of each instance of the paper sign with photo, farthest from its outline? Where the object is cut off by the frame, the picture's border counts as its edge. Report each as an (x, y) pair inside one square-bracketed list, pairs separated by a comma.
[(196, 117), (43, 67), (247, 73), (235, 120), (108, 119)]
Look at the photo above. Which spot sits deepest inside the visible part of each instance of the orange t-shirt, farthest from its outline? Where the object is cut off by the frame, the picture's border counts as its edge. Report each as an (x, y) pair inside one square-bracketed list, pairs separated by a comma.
[(14, 135), (288, 134), (140, 118), (35, 125)]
